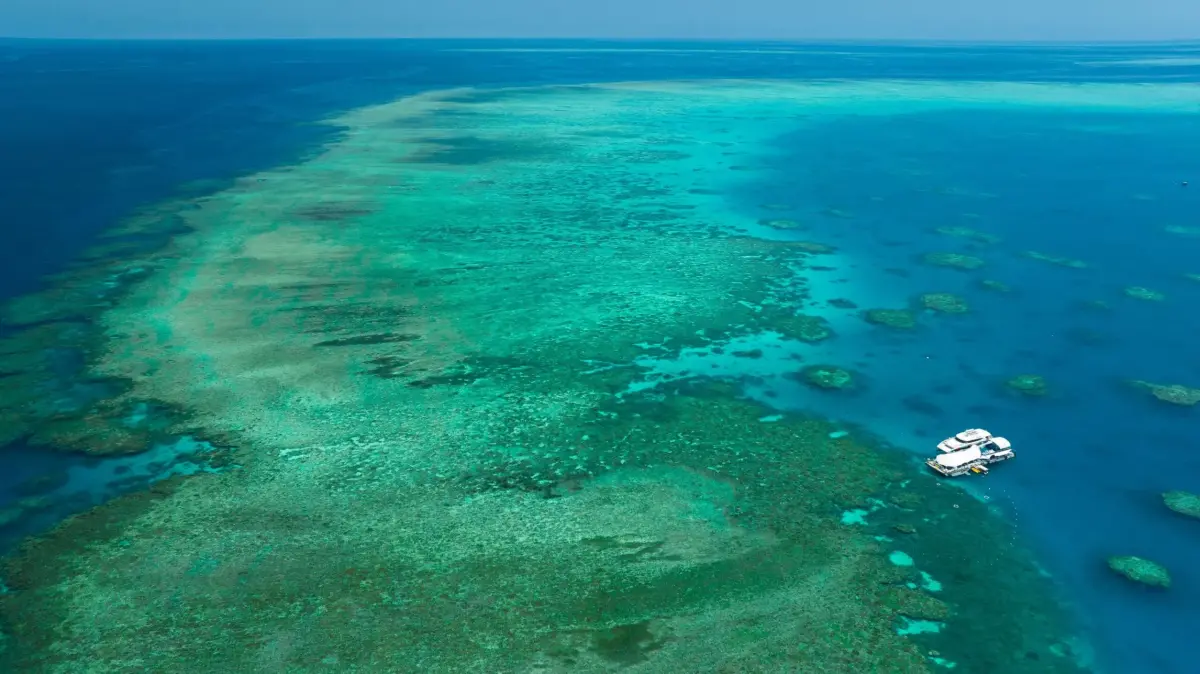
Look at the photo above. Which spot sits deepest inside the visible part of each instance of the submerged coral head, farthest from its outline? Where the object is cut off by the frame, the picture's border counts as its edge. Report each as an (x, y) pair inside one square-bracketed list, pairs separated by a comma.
[(828, 377), (898, 319), (1141, 570), (1176, 394), (1140, 293), (1028, 384), (806, 328), (944, 303), (953, 260), (1183, 502)]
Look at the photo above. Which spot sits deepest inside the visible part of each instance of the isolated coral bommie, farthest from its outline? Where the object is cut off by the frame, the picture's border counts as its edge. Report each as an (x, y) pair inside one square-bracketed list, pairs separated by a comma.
[(805, 328), (1183, 502), (1028, 384), (944, 303), (953, 260), (1176, 394), (1140, 293), (899, 319), (1141, 570), (827, 377)]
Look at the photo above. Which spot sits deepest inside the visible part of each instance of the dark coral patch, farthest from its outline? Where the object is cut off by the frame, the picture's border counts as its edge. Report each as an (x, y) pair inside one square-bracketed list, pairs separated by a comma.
[(334, 212), (366, 340)]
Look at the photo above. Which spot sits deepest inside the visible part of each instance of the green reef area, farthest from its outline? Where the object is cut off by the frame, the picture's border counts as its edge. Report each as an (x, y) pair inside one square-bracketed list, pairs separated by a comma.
[(969, 234), (1033, 385), (1140, 570), (953, 261), (415, 351), (1183, 502), (943, 303), (827, 377), (1140, 293), (1175, 394), (897, 319)]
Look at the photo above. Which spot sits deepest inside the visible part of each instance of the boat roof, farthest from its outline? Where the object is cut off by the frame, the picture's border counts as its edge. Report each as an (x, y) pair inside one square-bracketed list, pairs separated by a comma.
[(972, 435), (956, 459), (967, 438)]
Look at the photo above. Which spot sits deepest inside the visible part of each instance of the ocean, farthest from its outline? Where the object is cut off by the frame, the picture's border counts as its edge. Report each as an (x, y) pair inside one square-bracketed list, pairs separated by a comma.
[(502, 346)]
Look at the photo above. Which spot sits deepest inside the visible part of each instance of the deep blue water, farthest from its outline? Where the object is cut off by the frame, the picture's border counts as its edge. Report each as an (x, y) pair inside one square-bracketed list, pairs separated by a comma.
[(1096, 187), (89, 131)]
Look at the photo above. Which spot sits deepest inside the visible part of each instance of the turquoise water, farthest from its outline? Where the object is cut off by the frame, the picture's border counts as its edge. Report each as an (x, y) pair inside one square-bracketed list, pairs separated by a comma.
[(1096, 187), (1079, 178)]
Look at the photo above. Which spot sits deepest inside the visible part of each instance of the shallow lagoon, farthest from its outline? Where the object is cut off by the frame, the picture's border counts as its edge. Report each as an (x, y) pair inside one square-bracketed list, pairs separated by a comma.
[(635, 199)]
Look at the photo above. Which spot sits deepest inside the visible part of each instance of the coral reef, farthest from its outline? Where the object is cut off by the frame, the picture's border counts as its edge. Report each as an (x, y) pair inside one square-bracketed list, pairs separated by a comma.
[(1140, 293), (1183, 502), (448, 456), (811, 247), (952, 260), (1192, 277), (1141, 570), (997, 286), (1028, 384), (968, 233), (1055, 259), (944, 303), (899, 319), (805, 328), (827, 377), (906, 499), (75, 410), (1176, 394)]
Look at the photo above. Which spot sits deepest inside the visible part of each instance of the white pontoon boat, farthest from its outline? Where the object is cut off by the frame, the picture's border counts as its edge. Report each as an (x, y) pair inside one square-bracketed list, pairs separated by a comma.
[(970, 452)]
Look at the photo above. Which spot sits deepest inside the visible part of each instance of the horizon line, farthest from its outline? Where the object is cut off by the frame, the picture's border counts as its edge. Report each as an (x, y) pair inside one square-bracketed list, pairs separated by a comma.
[(682, 40)]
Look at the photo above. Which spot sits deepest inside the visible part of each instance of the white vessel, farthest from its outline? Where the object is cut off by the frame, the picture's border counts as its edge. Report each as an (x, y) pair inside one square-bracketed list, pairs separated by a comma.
[(970, 452)]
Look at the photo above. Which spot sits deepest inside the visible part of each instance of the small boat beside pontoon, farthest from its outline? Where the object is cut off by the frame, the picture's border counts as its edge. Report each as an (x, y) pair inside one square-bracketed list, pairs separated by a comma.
[(970, 452)]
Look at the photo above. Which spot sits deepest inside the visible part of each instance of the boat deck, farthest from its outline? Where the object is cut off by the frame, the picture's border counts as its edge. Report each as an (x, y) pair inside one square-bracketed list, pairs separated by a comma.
[(978, 466)]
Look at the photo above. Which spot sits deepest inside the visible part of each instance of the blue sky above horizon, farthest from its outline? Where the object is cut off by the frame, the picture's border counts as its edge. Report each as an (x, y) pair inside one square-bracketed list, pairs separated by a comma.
[(1017, 20)]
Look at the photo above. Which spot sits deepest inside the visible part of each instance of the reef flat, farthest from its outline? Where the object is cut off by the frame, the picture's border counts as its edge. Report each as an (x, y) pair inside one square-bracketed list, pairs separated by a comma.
[(421, 346)]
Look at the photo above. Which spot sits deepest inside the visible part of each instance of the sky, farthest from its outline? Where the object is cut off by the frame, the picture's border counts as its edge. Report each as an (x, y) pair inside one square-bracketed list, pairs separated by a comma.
[(1003, 20)]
